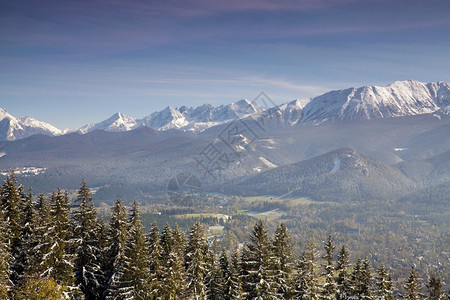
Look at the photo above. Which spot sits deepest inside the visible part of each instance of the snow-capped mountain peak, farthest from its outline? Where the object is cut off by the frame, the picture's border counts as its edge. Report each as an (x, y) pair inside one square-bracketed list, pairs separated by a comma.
[(117, 122), (401, 98), (12, 128)]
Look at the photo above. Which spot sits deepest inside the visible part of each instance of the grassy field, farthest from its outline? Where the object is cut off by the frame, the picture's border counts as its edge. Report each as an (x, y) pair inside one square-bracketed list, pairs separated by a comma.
[(287, 201)]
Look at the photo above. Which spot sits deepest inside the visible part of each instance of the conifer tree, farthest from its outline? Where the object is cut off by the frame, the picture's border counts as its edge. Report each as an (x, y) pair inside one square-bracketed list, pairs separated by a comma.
[(284, 258), (25, 257), (114, 268), (179, 244), (366, 282), (136, 273), (307, 285), (343, 283), (412, 285), (103, 258), (172, 267), (57, 261), (235, 292), (155, 261), (42, 235), (5, 258), (172, 277), (12, 201), (196, 267), (258, 265), (167, 238), (214, 279), (224, 265), (434, 287), (329, 287), (383, 284), (88, 274)]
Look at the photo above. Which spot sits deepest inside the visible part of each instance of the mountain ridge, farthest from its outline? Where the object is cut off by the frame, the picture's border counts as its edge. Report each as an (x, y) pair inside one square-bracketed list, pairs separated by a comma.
[(398, 99)]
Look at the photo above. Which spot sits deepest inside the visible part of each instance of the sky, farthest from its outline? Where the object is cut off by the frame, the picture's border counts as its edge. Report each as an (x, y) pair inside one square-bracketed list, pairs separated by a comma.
[(70, 63)]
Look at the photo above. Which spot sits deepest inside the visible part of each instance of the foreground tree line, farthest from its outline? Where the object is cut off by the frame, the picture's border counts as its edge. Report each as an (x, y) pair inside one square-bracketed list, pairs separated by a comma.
[(50, 250)]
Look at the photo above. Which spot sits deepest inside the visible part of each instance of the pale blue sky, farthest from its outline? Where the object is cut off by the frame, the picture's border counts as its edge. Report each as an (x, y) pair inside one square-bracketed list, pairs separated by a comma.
[(74, 62)]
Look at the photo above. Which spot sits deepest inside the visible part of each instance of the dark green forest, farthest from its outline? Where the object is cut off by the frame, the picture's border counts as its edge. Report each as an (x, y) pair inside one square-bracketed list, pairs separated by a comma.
[(54, 248)]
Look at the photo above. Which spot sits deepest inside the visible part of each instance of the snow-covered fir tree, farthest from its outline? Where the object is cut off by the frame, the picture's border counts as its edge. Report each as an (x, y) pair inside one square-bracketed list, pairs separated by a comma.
[(258, 276), (87, 268), (5, 258), (136, 274), (114, 268), (12, 205), (196, 262), (434, 287), (383, 284), (214, 279), (284, 262), (57, 260), (307, 283), (343, 280), (412, 285), (329, 287), (236, 292), (155, 261)]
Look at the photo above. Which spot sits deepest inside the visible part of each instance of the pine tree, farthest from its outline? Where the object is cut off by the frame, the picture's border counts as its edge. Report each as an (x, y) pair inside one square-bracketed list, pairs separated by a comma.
[(41, 235), (57, 261), (343, 283), (224, 265), (284, 258), (258, 266), (137, 270), (214, 279), (307, 285), (173, 269), (383, 284), (236, 292), (329, 287), (114, 267), (434, 287), (87, 269), (179, 244), (12, 201), (25, 257), (172, 277), (5, 258), (196, 267), (155, 261), (103, 258), (412, 285)]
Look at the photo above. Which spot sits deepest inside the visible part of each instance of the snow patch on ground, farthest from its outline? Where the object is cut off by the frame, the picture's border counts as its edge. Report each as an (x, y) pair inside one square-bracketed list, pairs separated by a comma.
[(25, 171), (267, 163), (337, 165), (2, 154), (400, 149)]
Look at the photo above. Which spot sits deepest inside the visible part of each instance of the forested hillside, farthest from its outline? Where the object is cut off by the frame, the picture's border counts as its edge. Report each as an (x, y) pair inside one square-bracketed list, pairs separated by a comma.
[(52, 249)]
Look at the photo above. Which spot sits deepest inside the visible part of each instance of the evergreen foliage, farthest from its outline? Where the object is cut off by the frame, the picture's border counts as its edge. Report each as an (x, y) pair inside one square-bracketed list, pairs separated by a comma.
[(48, 251), (434, 287), (284, 262), (87, 269), (412, 285), (383, 284), (307, 283), (196, 262), (343, 283), (329, 287)]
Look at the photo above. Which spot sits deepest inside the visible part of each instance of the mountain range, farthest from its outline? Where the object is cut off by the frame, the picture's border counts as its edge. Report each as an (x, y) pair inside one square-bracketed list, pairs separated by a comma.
[(399, 99), (361, 143)]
